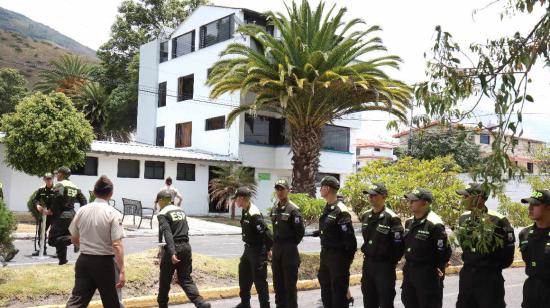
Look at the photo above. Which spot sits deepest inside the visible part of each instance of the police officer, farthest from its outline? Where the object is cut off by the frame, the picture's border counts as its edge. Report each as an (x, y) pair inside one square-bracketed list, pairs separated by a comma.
[(65, 195), (382, 247), (338, 246), (426, 253), (534, 243), (177, 252), (43, 200), (258, 241), (481, 283), (288, 231)]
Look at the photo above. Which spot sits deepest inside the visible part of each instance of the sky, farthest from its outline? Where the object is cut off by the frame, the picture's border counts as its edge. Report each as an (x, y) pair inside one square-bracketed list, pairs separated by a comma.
[(408, 31)]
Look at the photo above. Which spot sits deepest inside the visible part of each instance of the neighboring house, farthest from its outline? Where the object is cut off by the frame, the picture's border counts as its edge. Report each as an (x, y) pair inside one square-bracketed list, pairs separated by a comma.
[(369, 150), (175, 110), (522, 155)]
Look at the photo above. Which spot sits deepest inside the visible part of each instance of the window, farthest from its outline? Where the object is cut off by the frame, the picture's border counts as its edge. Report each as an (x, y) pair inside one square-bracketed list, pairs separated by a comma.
[(484, 139), (163, 51), (160, 136), (357, 151), (186, 172), (215, 123), (183, 44), (376, 149), (154, 170), (88, 168), (185, 88), (264, 130), (336, 138), (260, 21), (529, 167), (183, 134), (128, 168), (217, 31), (162, 94)]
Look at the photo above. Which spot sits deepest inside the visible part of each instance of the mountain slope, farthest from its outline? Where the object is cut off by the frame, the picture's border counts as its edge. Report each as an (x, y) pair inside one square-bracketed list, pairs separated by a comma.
[(17, 23)]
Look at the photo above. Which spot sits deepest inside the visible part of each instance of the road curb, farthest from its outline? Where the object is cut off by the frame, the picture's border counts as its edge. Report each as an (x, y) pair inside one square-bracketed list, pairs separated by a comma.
[(229, 292)]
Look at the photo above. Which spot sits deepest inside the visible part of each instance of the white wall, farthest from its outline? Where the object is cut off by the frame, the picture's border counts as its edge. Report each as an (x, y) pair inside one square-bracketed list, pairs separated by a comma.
[(148, 86)]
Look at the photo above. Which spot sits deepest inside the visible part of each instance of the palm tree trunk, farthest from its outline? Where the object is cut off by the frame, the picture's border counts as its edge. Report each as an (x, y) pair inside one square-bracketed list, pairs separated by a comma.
[(305, 142)]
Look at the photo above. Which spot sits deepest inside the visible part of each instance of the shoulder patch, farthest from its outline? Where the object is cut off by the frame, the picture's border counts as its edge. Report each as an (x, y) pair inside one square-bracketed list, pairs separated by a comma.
[(466, 213), (168, 208), (291, 206), (390, 212), (342, 207), (253, 210), (67, 183), (434, 218), (496, 214)]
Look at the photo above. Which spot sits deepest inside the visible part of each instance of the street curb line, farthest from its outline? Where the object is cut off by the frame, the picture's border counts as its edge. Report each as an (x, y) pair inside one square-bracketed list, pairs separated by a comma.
[(229, 292)]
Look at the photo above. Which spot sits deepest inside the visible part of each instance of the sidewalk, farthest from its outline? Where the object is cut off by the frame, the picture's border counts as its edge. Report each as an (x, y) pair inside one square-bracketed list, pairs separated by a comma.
[(196, 227)]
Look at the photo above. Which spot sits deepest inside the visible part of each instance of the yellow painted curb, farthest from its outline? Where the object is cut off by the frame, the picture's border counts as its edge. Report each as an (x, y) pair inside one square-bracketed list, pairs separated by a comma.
[(229, 292)]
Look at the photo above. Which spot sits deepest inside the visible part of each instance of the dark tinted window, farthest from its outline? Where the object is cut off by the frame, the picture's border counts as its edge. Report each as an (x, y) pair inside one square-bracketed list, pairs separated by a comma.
[(215, 123), (484, 139), (160, 136), (88, 168), (185, 88), (163, 51), (264, 130), (217, 31), (186, 172), (183, 44), (162, 94), (154, 170), (336, 138), (128, 168)]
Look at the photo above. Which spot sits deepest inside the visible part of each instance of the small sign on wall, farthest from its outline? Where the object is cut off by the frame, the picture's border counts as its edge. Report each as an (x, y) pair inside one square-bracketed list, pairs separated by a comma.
[(264, 176)]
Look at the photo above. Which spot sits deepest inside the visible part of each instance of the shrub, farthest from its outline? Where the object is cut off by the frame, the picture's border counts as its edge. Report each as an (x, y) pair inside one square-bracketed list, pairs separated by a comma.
[(311, 208)]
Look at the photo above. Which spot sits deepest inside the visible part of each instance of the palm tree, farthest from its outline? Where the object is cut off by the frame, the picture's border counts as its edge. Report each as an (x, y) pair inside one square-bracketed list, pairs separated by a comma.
[(310, 76), (68, 74), (93, 102), (227, 179)]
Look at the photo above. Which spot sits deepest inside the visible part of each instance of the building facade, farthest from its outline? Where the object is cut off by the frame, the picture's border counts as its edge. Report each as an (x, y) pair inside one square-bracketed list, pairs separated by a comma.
[(369, 150)]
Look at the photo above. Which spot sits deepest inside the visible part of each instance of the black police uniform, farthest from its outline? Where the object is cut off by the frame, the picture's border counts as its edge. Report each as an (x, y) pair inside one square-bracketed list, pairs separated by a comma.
[(534, 244), (481, 284), (44, 197), (288, 231), (338, 246), (426, 251), (66, 194), (382, 247), (253, 264), (173, 225)]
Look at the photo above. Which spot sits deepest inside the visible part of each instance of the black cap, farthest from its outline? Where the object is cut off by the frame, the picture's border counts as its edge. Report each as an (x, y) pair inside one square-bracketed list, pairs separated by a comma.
[(539, 196), (65, 170), (164, 194), (376, 189), (282, 183), (475, 189), (242, 192), (420, 194), (331, 182)]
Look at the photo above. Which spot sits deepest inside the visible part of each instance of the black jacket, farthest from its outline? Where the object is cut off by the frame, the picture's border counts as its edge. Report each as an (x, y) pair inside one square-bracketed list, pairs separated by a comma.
[(254, 230), (66, 194), (173, 225), (288, 225), (534, 244), (382, 236), (336, 230)]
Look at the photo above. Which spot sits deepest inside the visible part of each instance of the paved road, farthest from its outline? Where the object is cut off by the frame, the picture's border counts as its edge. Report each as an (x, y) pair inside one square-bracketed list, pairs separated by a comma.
[(514, 282), (221, 246)]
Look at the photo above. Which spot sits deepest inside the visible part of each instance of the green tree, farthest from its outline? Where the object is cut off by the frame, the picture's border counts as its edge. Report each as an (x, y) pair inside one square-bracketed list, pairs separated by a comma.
[(227, 179), (542, 155), (93, 102), (13, 88), (311, 208), (45, 132), (8, 225), (311, 76), (497, 71), (438, 175), (429, 144), (516, 212), (68, 75)]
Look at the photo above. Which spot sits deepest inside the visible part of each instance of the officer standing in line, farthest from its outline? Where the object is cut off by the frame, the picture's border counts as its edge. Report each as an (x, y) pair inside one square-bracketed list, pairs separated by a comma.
[(288, 231), (534, 243), (258, 241), (481, 283), (338, 246), (382, 247), (65, 195), (426, 253), (177, 252), (43, 201)]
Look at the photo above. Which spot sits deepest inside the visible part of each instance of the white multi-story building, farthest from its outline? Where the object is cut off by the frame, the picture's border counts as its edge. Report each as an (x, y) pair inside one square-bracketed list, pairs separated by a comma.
[(181, 132), (369, 150), (175, 109)]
